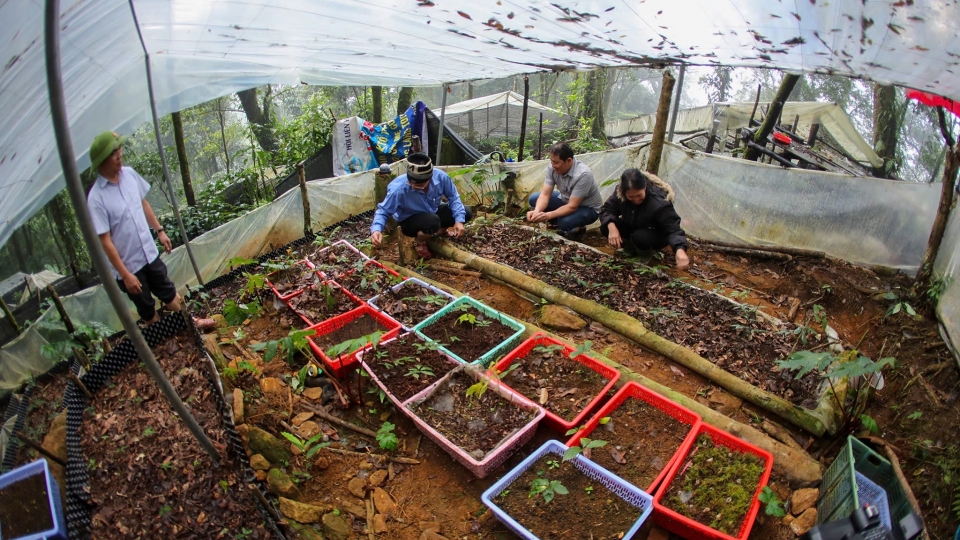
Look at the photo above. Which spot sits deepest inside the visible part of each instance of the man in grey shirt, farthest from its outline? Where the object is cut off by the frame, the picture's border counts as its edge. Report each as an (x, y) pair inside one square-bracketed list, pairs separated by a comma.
[(578, 202), (123, 218)]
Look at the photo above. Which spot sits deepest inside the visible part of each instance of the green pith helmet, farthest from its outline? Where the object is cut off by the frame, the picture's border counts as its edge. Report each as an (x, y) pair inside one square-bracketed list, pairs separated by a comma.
[(103, 145)]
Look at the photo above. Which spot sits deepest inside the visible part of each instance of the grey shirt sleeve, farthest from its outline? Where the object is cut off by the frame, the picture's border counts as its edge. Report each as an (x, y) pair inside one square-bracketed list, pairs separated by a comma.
[(583, 186)]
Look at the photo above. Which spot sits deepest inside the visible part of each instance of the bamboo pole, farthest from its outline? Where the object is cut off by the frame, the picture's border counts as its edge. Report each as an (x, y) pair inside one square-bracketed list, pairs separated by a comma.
[(634, 330), (523, 119), (304, 196), (660, 127), (776, 249), (776, 108), (796, 465)]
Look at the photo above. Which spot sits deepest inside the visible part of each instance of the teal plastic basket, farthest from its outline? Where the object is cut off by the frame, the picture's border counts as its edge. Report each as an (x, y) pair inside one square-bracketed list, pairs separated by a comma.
[(844, 487), (496, 350)]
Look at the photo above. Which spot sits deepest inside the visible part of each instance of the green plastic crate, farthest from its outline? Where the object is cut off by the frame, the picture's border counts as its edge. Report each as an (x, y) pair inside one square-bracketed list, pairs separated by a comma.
[(839, 494), (487, 357)]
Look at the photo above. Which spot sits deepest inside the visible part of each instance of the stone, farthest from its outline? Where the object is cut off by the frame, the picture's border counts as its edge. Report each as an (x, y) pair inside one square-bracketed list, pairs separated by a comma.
[(322, 463), (213, 347), (237, 406), (302, 512), (55, 442), (304, 532), (354, 509), (357, 487), (560, 318), (379, 524), (272, 448), (259, 463), (313, 393), (309, 429), (656, 533), (802, 499), (274, 390), (365, 466), (221, 320), (383, 502), (804, 521), (335, 527), (243, 430), (260, 475), (788, 519), (281, 485), (378, 477), (431, 535), (301, 418), (725, 403)]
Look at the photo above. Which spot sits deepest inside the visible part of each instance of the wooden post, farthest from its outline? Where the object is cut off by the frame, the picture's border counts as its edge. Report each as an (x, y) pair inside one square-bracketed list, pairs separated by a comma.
[(943, 211), (796, 122), (713, 136), (540, 139), (660, 127), (754, 111), (523, 119), (307, 229), (9, 315), (760, 137), (812, 138), (63, 313)]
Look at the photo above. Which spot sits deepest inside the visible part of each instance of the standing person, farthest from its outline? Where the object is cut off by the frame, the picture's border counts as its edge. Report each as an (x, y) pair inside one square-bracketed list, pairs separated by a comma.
[(415, 201), (637, 217), (123, 218), (577, 201)]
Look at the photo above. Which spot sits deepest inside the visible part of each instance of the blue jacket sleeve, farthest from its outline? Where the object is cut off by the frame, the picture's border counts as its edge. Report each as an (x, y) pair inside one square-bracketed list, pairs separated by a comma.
[(384, 210), (453, 199)]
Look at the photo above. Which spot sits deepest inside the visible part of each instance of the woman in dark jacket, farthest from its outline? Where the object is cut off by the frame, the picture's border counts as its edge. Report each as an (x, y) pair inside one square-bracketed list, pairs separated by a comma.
[(637, 216)]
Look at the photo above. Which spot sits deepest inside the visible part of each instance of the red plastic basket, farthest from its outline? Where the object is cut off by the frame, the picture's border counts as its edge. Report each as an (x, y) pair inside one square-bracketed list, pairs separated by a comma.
[(633, 390), (552, 420), (686, 527), (289, 294), (345, 362), (335, 285)]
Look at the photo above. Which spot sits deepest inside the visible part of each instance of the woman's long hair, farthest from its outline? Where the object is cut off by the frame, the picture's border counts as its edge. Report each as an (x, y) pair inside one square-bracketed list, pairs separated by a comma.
[(631, 179)]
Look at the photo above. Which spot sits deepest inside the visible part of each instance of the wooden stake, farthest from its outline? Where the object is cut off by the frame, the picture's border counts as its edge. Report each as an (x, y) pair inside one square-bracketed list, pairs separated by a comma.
[(82, 358), (766, 128), (304, 196), (76, 380), (523, 119), (940, 222), (63, 313), (755, 103), (660, 127), (370, 513), (319, 411), (9, 315), (40, 449)]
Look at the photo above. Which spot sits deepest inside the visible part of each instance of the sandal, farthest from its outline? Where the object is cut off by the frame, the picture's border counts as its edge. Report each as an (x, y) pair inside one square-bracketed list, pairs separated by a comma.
[(422, 250)]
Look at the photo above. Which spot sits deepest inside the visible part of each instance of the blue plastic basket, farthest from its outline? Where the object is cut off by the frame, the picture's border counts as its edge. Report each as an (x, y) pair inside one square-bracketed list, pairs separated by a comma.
[(487, 357), (411, 282), (620, 487), (870, 493), (59, 529)]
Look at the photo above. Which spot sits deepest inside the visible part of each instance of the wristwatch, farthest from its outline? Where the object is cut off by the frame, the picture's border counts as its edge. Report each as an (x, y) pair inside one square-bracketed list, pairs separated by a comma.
[(160, 230)]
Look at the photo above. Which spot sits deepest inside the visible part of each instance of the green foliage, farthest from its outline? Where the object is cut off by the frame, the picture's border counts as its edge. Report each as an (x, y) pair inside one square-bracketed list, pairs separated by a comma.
[(295, 341), (239, 261), (418, 370), (386, 438), (482, 184), (88, 337), (584, 448), (546, 488), (547, 350), (938, 284), (353, 345), (772, 504), (308, 447), (478, 389), (468, 318), (255, 282), (582, 349), (869, 424), (235, 313)]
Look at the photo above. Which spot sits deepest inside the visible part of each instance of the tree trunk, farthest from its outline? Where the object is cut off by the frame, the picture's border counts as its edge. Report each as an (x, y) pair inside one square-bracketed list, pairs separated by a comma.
[(377, 92), (660, 126), (54, 235), (259, 120), (886, 129), (405, 99), (776, 107), (950, 168), (632, 329), (592, 108), (18, 251), (60, 217), (223, 134), (182, 156)]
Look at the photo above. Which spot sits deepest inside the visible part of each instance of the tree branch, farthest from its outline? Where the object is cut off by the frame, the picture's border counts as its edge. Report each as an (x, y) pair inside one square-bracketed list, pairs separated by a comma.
[(943, 128)]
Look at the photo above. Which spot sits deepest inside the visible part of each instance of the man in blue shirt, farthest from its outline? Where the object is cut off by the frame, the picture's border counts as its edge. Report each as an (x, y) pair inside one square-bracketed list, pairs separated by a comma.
[(123, 218), (415, 200)]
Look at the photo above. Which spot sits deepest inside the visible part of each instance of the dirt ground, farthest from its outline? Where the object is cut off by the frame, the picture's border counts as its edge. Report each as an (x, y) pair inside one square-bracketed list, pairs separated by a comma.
[(918, 402)]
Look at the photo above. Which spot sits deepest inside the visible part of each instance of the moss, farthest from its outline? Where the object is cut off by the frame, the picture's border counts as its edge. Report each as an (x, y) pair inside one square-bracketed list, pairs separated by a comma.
[(720, 484)]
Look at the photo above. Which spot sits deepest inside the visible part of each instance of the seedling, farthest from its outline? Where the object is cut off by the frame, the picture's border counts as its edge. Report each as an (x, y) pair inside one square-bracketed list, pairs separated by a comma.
[(772, 504), (255, 282), (581, 349), (546, 488), (586, 445), (386, 438), (547, 350), (353, 345), (553, 464), (309, 447), (236, 313), (148, 431), (295, 341), (468, 318), (418, 370)]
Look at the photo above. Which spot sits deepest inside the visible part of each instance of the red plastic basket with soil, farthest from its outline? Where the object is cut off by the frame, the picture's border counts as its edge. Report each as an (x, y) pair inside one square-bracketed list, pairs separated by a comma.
[(645, 434), (354, 324), (474, 418), (568, 388), (725, 463), (405, 366), (339, 258), (288, 282), (322, 301)]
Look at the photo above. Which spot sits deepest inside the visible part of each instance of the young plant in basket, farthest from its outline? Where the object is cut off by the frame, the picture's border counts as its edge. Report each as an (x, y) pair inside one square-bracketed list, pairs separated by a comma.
[(546, 488), (295, 341), (350, 346)]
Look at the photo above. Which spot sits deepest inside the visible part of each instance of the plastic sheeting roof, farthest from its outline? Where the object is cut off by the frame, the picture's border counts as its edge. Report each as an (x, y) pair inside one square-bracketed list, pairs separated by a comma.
[(509, 98), (737, 115), (205, 49)]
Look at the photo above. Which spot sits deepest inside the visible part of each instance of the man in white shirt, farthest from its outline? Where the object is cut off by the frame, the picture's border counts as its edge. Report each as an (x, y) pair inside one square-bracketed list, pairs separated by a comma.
[(122, 218), (577, 201)]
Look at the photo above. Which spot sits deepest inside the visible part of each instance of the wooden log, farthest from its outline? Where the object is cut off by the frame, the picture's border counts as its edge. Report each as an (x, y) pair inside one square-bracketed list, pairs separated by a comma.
[(940, 222), (888, 450), (796, 466), (83, 388), (776, 249), (319, 411), (756, 253), (634, 330), (391, 459), (10, 318), (776, 107), (753, 111), (63, 312), (660, 127)]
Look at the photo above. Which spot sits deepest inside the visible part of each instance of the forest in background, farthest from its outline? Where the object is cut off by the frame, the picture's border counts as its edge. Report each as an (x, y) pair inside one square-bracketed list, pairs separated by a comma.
[(252, 139)]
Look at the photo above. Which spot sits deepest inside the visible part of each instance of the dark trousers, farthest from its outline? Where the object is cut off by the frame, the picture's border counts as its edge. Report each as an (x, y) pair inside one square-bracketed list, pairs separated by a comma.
[(153, 282), (430, 223), (639, 239)]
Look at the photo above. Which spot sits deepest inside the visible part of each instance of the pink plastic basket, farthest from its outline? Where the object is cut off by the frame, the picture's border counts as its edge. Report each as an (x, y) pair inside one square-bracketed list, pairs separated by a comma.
[(690, 529), (633, 390), (345, 362), (339, 243), (373, 264), (366, 359), (290, 294), (337, 290), (552, 420), (495, 457)]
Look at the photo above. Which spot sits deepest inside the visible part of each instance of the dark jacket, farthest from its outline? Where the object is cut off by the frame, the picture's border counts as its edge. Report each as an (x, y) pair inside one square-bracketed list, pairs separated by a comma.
[(655, 212)]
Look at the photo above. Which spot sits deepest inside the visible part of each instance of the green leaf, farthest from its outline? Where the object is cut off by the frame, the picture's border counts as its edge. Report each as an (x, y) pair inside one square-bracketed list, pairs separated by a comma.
[(805, 362), (869, 423), (571, 453), (560, 488), (293, 439), (271, 350)]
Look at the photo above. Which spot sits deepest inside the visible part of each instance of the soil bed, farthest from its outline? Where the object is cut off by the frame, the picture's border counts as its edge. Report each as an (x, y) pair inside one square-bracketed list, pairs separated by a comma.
[(337, 256), (730, 336), (28, 500), (411, 303), (641, 439), (468, 340), (359, 327), (568, 385), (407, 365), (368, 282), (320, 302), (149, 478), (715, 486), (293, 279), (475, 425), (588, 505)]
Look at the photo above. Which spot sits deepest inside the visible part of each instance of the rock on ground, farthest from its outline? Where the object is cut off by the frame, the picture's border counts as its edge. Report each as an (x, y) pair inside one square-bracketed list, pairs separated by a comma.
[(270, 447), (560, 318), (803, 499)]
